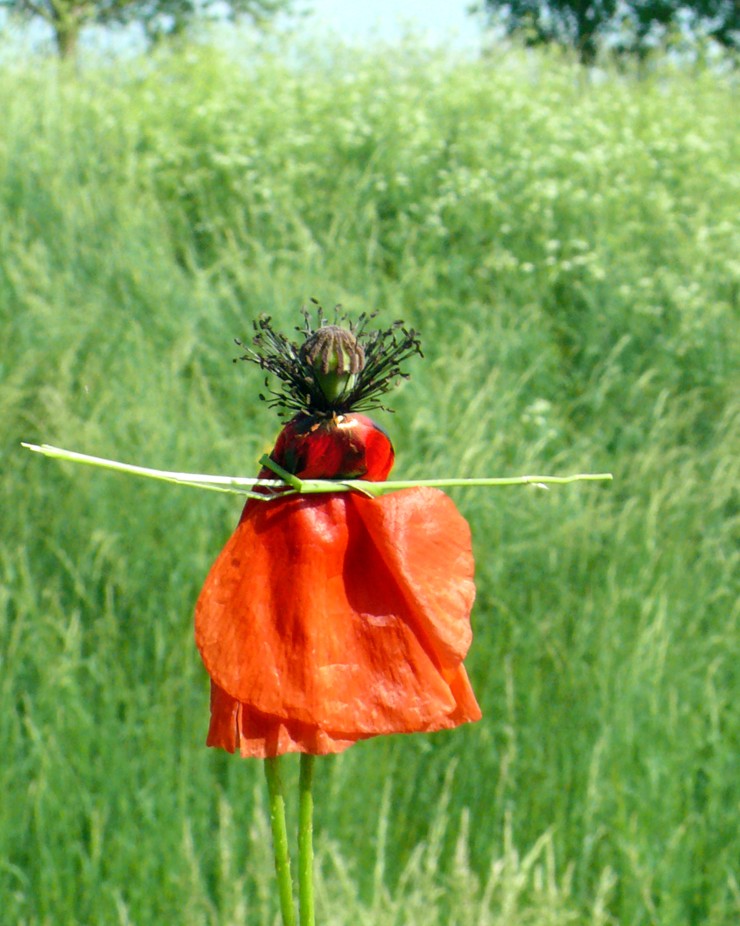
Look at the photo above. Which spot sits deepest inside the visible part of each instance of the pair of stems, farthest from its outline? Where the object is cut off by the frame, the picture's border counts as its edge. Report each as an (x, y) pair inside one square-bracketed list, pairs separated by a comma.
[(305, 841), (242, 486)]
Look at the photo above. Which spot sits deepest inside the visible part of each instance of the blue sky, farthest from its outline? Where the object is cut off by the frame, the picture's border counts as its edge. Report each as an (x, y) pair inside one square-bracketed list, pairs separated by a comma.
[(441, 21)]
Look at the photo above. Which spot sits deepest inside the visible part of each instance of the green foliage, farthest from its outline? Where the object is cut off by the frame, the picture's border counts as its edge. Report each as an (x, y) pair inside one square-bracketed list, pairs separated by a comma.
[(569, 254), (163, 19), (630, 26), (159, 18)]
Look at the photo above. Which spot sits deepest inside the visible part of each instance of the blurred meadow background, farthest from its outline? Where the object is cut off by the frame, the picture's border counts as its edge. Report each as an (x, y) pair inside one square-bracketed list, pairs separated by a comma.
[(567, 245)]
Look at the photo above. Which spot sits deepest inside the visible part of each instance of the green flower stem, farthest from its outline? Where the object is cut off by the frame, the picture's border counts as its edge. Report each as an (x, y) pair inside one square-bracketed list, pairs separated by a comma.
[(241, 485), (305, 842), (289, 478), (280, 840)]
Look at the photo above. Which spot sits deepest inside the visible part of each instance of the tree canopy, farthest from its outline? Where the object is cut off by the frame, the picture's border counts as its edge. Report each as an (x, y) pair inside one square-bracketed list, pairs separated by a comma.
[(630, 25), (158, 18)]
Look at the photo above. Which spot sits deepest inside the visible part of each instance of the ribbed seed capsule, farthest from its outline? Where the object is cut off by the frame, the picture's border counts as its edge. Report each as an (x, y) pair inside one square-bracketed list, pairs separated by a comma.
[(336, 357)]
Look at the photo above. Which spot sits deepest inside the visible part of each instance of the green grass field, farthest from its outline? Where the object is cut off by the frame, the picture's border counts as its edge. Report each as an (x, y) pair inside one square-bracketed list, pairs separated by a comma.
[(569, 251)]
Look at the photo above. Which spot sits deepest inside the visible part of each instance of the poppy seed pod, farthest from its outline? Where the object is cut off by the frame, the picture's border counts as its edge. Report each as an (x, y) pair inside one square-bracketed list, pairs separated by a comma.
[(336, 357)]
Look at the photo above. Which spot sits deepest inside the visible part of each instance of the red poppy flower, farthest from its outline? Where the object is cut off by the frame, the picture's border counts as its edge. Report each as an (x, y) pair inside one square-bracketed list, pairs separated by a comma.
[(329, 619)]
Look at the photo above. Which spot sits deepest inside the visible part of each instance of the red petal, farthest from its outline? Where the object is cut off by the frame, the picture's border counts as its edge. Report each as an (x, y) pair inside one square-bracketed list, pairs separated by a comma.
[(344, 614), (238, 727), (350, 446), (426, 544)]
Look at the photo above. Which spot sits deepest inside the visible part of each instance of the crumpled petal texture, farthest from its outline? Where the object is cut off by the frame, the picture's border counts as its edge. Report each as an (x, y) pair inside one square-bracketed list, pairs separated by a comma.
[(329, 619)]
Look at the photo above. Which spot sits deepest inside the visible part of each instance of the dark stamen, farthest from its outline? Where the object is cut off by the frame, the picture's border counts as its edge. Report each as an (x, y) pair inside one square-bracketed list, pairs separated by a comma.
[(369, 363)]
